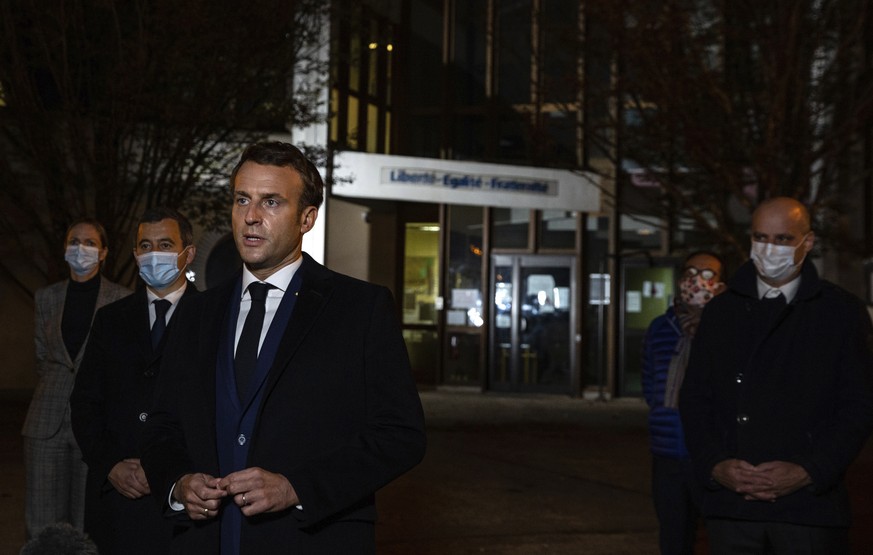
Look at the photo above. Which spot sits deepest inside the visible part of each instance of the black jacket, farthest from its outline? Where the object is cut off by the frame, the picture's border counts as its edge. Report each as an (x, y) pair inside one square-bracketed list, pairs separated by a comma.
[(795, 388), (340, 415), (110, 404)]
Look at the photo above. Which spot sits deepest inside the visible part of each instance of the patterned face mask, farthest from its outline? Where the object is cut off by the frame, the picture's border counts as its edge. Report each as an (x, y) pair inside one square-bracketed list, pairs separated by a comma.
[(698, 287)]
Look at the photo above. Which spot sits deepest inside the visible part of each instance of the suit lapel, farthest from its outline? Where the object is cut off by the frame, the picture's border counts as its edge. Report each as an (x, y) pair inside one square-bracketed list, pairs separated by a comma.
[(314, 292), (103, 295), (140, 326), (56, 299), (103, 298), (155, 353), (213, 327)]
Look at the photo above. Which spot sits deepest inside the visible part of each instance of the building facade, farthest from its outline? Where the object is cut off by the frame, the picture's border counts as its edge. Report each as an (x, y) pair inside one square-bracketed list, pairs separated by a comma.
[(468, 173), (463, 181)]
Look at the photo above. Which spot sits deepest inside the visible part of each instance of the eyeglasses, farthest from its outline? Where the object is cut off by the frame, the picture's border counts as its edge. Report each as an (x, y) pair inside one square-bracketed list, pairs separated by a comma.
[(691, 271)]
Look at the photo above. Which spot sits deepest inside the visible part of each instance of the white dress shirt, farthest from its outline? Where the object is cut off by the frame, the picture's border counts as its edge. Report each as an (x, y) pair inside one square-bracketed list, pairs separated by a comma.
[(789, 290), (172, 297), (280, 282)]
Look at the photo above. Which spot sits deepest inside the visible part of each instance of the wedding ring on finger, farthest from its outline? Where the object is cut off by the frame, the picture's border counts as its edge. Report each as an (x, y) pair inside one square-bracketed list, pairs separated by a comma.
[(244, 500), (205, 511)]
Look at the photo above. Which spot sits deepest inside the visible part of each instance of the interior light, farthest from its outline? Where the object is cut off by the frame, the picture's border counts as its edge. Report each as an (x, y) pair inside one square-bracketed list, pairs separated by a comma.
[(373, 45), (475, 317)]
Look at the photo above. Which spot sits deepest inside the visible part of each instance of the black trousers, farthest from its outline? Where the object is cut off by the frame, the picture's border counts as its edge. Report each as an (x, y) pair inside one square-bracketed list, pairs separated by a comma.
[(733, 537), (675, 496)]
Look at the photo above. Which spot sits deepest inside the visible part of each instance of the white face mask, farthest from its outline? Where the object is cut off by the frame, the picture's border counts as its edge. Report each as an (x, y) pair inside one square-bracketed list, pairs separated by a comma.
[(159, 269), (775, 262), (82, 258)]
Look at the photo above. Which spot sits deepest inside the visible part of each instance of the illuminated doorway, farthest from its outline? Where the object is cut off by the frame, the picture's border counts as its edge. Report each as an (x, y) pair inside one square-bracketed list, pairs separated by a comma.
[(533, 316), (420, 296)]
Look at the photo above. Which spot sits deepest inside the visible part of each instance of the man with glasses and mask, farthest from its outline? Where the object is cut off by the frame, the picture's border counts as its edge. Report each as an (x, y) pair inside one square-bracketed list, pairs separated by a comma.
[(115, 386), (665, 356), (777, 400)]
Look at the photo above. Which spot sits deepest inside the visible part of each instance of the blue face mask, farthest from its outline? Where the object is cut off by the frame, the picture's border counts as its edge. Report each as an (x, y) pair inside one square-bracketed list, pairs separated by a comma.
[(82, 258), (159, 269)]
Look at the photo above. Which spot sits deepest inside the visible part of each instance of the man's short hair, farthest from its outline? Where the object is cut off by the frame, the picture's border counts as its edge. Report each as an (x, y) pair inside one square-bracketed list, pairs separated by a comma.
[(285, 155), (157, 213)]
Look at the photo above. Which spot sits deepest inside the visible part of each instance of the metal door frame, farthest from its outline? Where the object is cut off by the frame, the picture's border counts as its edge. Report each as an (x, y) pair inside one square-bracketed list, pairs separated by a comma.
[(517, 262)]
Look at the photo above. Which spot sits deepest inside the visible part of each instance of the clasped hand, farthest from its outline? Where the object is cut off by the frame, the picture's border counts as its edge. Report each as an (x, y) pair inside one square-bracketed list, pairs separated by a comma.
[(254, 490), (129, 479), (764, 482)]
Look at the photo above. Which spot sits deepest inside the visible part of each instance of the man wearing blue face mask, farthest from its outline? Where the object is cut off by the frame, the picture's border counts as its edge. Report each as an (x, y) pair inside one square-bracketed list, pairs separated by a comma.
[(115, 386), (777, 398)]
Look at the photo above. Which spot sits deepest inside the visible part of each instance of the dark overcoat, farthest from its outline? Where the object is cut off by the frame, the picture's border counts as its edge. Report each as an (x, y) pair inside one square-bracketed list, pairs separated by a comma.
[(109, 406), (339, 417), (794, 386)]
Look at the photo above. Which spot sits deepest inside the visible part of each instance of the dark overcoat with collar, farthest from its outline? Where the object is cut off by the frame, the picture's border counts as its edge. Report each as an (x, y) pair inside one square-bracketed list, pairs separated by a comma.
[(340, 415), (110, 403), (796, 388)]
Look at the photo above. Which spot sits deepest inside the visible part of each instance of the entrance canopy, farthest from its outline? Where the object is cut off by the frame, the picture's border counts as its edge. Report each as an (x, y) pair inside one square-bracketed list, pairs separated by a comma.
[(380, 176)]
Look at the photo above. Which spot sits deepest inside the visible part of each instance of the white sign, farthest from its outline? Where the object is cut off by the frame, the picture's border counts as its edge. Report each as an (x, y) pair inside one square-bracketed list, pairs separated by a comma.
[(598, 288), (456, 318), (466, 298), (654, 289), (365, 175), (439, 178)]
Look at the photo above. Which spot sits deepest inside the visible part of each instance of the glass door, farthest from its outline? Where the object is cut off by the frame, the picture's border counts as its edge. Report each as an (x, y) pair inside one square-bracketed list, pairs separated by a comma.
[(532, 323), (420, 298), (648, 292)]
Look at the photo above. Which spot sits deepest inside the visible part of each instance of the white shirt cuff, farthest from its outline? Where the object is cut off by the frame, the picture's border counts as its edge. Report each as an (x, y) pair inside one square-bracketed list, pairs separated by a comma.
[(174, 505)]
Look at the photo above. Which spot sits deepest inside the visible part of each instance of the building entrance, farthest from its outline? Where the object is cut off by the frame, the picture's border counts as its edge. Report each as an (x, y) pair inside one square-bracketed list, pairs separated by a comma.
[(533, 316), (647, 292)]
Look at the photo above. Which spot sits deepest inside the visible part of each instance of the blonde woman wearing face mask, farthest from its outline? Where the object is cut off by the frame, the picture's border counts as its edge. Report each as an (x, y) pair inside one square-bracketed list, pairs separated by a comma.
[(55, 473), (665, 355)]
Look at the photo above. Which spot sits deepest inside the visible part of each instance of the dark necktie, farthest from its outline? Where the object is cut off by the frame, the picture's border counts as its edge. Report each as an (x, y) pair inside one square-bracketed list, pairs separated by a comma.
[(774, 299), (768, 310), (247, 349), (160, 325)]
